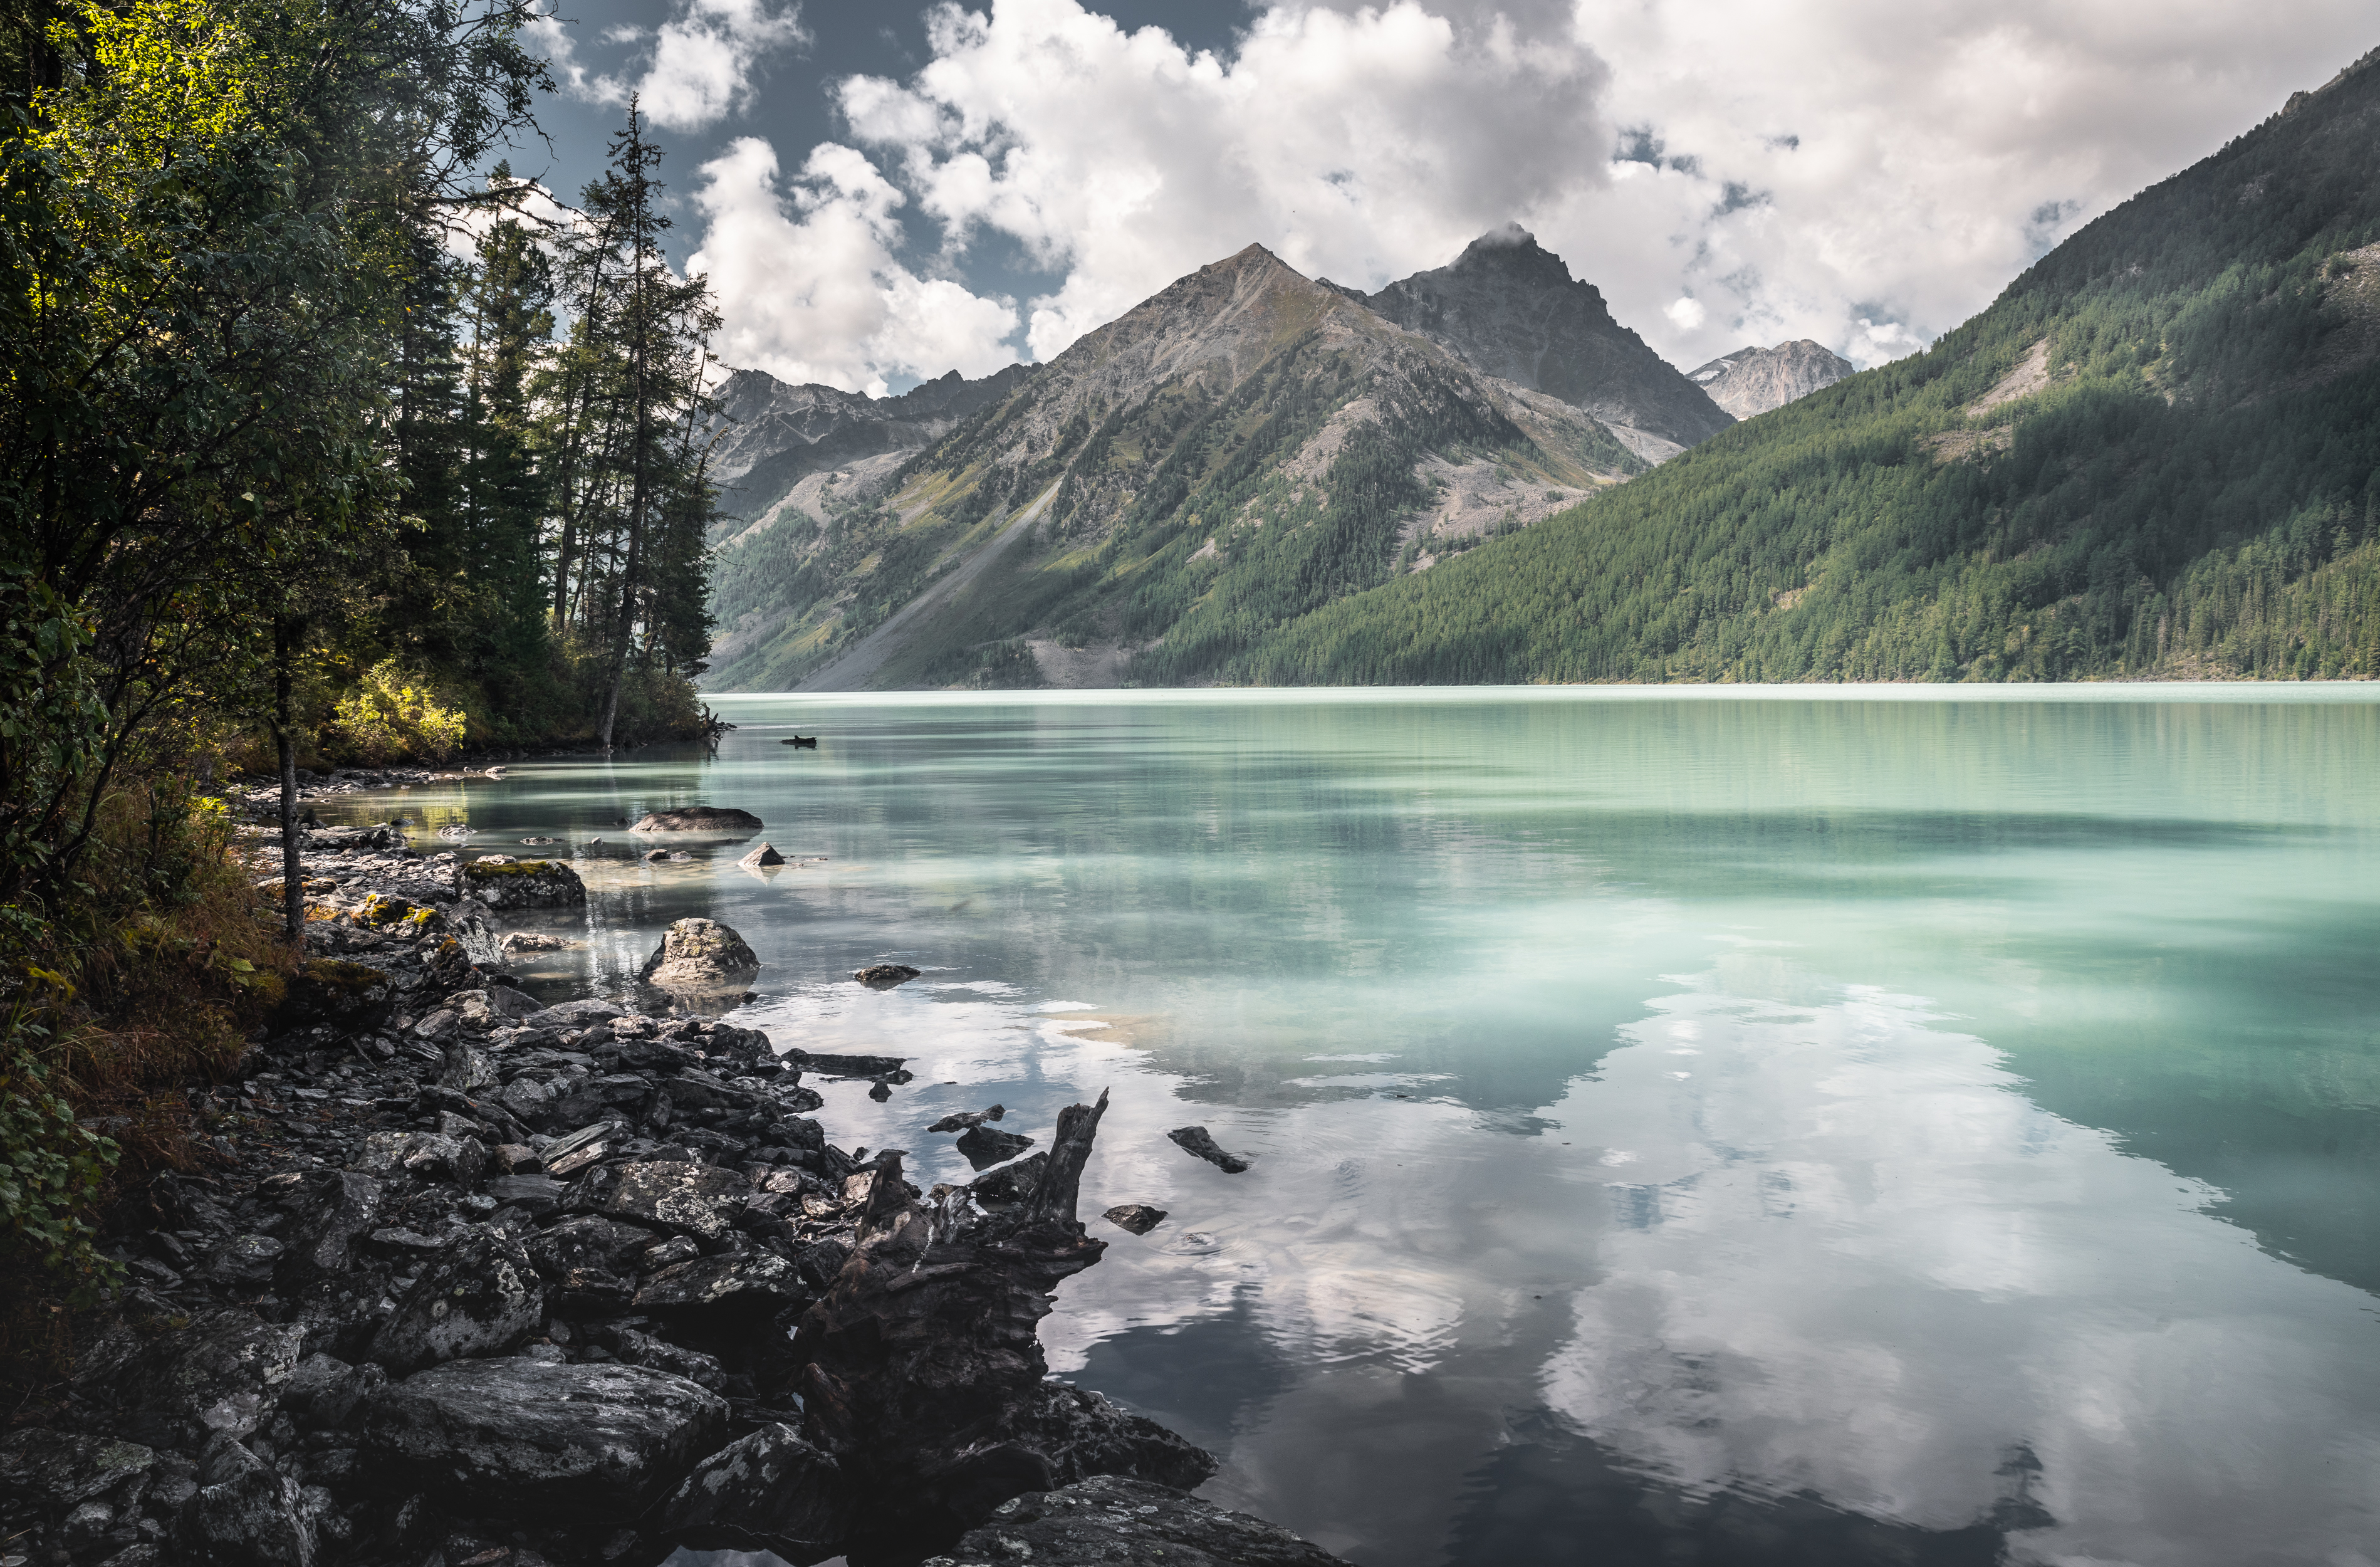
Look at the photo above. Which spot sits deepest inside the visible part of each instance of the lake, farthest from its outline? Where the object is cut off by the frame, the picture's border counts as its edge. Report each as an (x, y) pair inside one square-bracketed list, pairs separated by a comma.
[(1703, 1126)]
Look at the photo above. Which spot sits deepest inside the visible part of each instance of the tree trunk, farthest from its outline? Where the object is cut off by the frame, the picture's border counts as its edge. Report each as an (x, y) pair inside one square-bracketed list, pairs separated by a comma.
[(293, 892)]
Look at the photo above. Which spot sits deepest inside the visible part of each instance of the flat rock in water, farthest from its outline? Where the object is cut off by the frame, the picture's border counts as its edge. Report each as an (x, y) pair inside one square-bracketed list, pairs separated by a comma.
[(961, 1121), (983, 1146), (504, 883), (584, 1442), (1137, 1217), (891, 1067), (701, 955), (1109, 1518), (1196, 1140), (769, 1490), (884, 976), (766, 854), (699, 818)]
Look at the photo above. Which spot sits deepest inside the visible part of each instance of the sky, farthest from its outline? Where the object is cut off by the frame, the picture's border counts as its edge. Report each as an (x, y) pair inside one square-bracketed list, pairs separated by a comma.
[(879, 194)]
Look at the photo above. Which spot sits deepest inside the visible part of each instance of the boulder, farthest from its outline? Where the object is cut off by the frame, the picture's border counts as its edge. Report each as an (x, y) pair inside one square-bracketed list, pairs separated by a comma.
[(59, 1471), (480, 1296), (986, 1146), (1110, 1518), (751, 1283), (245, 1514), (330, 989), (503, 884), (243, 1262), (1138, 1218), (585, 1444), (328, 1210), (323, 1391), (884, 976), (1198, 1141), (967, 1120), (766, 854), (700, 1200), (701, 955), (699, 818), (221, 1374), (429, 1154), (588, 1241), (769, 1490)]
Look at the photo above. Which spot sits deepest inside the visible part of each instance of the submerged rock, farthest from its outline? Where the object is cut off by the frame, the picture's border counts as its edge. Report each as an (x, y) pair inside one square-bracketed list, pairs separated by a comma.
[(967, 1120), (585, 1442), (884, 976), (1196, 1140), (701, 955), (1114, 1518), (699, 818)]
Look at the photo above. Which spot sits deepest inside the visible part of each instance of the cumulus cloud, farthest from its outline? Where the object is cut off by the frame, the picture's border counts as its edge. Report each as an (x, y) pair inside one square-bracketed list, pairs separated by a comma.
[(808, 283), (1728, 171), (1360, 146), (690, 73)]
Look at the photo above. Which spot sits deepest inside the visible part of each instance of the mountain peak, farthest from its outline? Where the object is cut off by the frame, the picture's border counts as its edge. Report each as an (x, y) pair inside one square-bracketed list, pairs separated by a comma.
[(1511, 307), (1755, 379)]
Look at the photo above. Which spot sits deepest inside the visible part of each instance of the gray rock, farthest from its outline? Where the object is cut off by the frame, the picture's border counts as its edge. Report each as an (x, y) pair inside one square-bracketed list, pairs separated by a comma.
[(699, 818), (701, 956), (987, 1146), (1109, 1518), (1137, 1217), (243, 1262), (431, 1155), (323, 1391), (589, 1443), (482, 1296), (221, 1374), (964, 1120), (738, 1282), (769, 1490), (700, 1200), (245, 1514), (503, 884), (329, 1211), (1198, 1141), (588, 1241), (884, 976), (58, 1471), (766, 854)]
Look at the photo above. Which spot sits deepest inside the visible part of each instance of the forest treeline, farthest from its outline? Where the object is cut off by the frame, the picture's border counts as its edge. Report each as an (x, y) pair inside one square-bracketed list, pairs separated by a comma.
[(2190, 488), (326, 440)]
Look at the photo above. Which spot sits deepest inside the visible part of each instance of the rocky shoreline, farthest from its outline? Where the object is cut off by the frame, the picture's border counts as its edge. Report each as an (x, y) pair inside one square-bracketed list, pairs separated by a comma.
[(471, 1280)]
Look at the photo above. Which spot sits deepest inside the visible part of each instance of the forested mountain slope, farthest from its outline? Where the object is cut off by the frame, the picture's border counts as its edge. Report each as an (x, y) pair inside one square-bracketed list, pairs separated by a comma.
[(1238, 450), (2155, 454)]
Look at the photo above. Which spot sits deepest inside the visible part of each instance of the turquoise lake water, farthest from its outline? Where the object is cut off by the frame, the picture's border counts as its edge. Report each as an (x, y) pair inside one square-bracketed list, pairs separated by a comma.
[(1706, 1126)]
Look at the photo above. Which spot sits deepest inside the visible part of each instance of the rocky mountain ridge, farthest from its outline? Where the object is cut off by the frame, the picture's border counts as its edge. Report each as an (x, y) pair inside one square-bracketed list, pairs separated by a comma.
[(1753, 380), (1246, 443), (1511, 308)]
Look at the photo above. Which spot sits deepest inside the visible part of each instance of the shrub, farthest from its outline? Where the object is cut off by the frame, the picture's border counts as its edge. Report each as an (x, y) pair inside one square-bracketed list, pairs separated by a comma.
[(391, 718)]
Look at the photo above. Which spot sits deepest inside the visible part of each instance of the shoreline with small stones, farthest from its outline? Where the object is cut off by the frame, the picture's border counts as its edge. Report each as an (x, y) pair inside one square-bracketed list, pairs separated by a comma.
[(473, 1280)]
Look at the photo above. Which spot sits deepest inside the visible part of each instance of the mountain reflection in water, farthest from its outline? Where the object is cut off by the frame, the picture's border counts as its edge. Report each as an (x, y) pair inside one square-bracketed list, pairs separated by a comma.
[(1852, 1128)]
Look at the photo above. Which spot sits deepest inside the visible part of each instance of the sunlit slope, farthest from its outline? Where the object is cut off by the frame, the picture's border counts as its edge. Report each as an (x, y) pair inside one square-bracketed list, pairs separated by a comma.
[(2153, 454), (1237, 450)]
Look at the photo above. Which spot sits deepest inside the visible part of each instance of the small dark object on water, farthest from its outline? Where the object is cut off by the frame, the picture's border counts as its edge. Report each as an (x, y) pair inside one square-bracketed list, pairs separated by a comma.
[(536, 840), (1137, 1217), (881, 1091), (1196, 1140), (985, 1147), (807, 742), (619, 821), (658, 854), (884, 976), (889, 1067), (968, 1120)]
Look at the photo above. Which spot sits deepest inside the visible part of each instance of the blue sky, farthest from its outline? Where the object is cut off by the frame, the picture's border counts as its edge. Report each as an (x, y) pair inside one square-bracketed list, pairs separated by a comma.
[(883, 192)]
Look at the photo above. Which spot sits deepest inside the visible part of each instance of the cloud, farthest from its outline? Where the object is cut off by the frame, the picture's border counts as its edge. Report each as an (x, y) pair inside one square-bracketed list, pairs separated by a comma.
[(699, 65), (808, 286), (1359, 146), (1866, 174)]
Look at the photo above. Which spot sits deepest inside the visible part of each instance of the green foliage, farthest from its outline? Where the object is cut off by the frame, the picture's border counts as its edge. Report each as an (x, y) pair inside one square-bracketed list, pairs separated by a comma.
[(51, 1168), (390, 718)]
